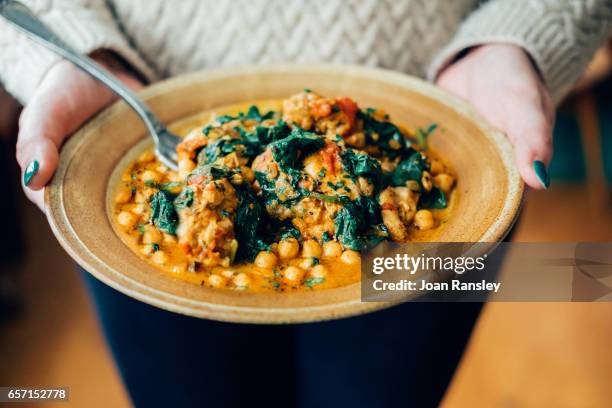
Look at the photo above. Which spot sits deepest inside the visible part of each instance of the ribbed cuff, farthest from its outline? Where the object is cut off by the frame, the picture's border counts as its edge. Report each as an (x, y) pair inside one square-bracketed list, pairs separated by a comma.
[(24, 63), (554, 34)]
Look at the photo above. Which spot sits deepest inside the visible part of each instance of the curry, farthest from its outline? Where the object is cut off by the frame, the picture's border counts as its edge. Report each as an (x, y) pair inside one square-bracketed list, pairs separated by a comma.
[(286, 199)]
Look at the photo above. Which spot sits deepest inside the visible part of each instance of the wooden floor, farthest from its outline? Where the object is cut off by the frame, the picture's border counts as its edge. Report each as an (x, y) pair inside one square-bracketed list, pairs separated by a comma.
[(521, 355)]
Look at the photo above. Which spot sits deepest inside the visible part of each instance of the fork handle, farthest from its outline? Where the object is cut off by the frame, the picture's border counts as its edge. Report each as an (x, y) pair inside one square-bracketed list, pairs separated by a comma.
[(23, 18)]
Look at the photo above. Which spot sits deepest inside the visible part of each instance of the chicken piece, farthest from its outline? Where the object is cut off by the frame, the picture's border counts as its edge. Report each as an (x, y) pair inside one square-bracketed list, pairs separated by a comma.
[(398, 207), (206, 231), (190, 144), (314, 203), (328, 116)]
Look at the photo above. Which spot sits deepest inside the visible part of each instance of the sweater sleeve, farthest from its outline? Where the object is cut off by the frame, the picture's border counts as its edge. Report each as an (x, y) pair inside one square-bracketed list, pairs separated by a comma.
[(86, 25), (561, 36)]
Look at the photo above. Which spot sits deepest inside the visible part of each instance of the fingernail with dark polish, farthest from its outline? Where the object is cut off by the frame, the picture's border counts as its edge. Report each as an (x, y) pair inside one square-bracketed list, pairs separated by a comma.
[(541, 173), (30, 172)]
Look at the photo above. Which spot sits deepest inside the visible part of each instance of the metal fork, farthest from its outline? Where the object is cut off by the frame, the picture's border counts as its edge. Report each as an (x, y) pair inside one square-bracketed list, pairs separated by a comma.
[(23, 18)]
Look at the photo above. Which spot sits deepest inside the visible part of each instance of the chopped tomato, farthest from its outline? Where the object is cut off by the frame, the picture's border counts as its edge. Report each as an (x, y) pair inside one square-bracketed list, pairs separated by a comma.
[(330, 154), (320, 108), (349, 107)]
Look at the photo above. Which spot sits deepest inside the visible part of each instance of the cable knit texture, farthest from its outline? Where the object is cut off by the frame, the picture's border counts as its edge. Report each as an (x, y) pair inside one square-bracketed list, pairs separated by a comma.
[(162, 38), (560, 36)]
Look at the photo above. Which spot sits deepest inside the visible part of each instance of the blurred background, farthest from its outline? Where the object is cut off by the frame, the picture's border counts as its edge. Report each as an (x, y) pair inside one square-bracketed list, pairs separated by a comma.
[(521, 354)]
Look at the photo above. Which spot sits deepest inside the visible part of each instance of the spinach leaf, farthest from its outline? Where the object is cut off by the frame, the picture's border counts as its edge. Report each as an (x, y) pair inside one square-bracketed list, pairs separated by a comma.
[(249, 223), (363, 165), (163, 214), (410, 169), (253, 113), (215, 171), (423, 134), (247, 144), (184, 199), (267, 186), (310, 282), (291, 150), (435, 198), (288, 231), (355, 221), (216, 149), (385, 135)]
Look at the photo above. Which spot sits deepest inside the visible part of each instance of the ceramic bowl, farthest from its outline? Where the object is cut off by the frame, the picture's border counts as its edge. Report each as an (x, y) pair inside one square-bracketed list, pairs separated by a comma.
[(489, 187)]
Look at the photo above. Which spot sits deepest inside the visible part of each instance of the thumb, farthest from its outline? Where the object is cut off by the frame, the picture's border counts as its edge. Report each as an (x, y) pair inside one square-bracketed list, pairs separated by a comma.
[(64, 100)]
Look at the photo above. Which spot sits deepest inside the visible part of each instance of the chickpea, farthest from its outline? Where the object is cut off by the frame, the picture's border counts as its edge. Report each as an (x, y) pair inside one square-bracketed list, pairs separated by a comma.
[(332, 249), (423, 219), (236, 179), (124, 194), (318, 271), (266, 260), (212, 195), (150, 176), (274, 248), (179, 268), (288, 248), (139, 209), (293, 273), (146, 157), (169, 238), (159, 257), (365, 186), (217, 281), (306, 263), (426, 181), (241, 280), (350, 257), (436, 167), (394, 144), (248, 173), (357, 139), (444, 182), (185, 166), (140, 197), (151, 235), (147, 249), (126, 219), (413, 185), (311, 249)]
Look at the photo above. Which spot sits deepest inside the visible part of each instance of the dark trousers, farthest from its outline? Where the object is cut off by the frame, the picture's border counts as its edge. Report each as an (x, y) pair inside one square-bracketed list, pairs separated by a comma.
[(403, 356)]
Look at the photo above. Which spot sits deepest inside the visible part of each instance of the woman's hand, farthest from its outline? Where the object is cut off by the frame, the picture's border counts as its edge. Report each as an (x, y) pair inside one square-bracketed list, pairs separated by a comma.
[(502, 84), (63, 101)]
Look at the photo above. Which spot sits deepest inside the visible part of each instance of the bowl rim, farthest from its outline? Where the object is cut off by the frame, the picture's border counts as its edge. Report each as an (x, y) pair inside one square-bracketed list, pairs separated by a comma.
[(69, 240)]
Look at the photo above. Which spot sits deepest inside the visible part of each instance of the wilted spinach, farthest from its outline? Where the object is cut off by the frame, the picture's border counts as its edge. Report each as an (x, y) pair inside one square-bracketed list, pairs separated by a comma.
[(248, 144), (385, 135), (249, 224), (362, 165), (163, 214), (253, 113), (435, 198), (291, 150), (423, 134), (356, 221), (409, 169), (184, 199)]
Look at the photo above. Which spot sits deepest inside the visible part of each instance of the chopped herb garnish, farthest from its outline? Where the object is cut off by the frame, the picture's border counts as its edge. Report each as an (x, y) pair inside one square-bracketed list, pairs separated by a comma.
[(310, 282)]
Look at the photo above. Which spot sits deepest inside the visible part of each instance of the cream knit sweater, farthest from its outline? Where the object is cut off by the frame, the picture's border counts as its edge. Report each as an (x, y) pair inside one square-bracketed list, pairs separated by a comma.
[(162, 38)]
